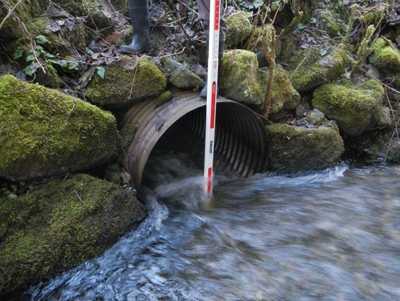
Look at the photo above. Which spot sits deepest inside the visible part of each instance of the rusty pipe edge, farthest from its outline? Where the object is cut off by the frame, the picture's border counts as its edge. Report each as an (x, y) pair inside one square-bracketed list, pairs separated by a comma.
[(240, 139)]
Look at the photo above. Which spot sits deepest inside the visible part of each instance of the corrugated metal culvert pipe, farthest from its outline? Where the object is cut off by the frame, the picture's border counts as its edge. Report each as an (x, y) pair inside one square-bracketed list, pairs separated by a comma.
[(240, 138)]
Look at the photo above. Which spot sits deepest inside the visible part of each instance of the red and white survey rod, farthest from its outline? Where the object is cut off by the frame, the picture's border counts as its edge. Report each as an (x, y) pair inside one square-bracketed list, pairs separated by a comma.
[(212, 93)]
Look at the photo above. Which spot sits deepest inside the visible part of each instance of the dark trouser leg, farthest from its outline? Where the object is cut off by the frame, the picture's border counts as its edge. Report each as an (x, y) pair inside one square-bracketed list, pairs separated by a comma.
[(139, 15)]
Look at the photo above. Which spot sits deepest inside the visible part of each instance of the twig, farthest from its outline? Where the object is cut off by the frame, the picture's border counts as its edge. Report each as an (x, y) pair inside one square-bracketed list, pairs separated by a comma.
[(10, 12)]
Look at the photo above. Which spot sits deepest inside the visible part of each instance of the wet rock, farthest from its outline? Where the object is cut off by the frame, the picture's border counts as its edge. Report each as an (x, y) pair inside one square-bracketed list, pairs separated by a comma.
[(295, 148), (393, 151), (355, 108), (386, 56), (180, 75), (309, 75), (127, 81), (243, 81), (238, 29), (373, 147), (59, 225), (44, 132)]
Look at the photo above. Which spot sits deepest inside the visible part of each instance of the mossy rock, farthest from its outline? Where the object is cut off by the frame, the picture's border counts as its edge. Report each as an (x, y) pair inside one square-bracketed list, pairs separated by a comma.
[(284, 95), (24, 11), (332, 23), (386, 56), (238, 29), (44, 132), (180, 76), (239, 77), (355, 108), (77, 35), (126, 82), (306, 77), (59, 225), (243, 81), (95, 10), (294, 148)]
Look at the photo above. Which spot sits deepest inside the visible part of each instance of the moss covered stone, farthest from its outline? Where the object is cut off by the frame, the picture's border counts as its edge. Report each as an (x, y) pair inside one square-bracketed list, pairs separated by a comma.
[(308, 76), (44, 132), (180, 76), (96, 11), (59, 225), (126, 82), (386, 56), (293, 148), (284, 95), (355, 108), (243, 81), (238, 29)]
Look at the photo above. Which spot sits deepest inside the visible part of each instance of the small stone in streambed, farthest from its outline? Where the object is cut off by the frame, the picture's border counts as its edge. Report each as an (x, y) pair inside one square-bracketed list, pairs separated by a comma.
[(59, 225)]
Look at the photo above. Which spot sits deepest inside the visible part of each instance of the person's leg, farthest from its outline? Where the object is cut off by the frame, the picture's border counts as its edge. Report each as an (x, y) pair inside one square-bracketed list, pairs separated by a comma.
[(139, 15)]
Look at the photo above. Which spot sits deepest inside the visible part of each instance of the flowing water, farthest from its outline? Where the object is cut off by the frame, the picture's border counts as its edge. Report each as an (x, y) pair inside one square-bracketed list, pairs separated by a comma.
[(330, 235)]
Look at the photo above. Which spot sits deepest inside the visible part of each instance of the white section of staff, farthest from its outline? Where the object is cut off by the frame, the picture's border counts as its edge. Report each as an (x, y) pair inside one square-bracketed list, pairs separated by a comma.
[(212, 94)]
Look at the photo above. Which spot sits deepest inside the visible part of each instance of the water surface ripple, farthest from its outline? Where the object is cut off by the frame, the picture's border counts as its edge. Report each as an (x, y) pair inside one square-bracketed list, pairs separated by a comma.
[(330, 235)]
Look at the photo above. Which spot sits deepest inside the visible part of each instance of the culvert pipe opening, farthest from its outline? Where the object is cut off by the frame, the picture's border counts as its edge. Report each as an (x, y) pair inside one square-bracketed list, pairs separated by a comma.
[(179, 125)]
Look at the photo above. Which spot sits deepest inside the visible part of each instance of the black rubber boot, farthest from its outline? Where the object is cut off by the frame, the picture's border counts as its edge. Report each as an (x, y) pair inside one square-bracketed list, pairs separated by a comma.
[(203, 92), (139, 14)]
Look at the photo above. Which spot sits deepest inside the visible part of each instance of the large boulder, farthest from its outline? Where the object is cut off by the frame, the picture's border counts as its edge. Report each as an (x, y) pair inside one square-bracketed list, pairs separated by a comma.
[(44, 132), (59, 225), (294, 148), (127, 81), (356, 108), (312, 73), (238, 29), (242, 80)]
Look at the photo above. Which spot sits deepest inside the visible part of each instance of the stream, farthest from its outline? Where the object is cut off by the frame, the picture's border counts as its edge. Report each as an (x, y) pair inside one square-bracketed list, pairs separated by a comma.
[(328, 235)]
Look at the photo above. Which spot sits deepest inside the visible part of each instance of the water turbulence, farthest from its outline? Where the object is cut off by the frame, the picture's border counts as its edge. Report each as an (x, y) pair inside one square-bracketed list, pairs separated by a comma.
[(328, 235)]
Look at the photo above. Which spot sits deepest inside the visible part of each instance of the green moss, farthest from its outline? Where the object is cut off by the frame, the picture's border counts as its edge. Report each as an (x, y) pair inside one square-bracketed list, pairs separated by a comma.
[(44, 132), (59, 225), (386, 57), (238, 29), (136, 79), (243, 81), (239, 77), (307, 77), (284, 96), (332, 23), (355, 108), (293, 148)]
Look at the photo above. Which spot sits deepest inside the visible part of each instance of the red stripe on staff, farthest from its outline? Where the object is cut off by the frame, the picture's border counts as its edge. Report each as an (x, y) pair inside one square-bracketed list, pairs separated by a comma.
[(217, 15), (213, 104), (209, 180)]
